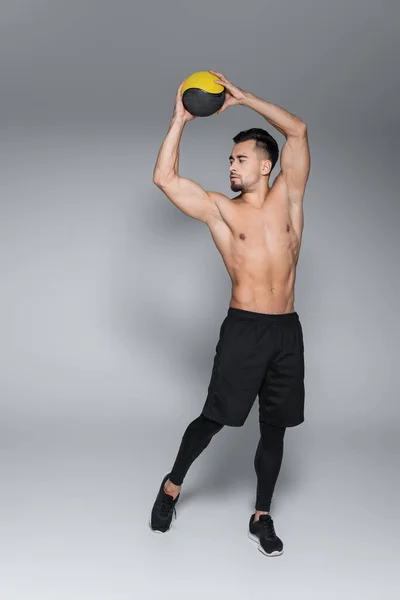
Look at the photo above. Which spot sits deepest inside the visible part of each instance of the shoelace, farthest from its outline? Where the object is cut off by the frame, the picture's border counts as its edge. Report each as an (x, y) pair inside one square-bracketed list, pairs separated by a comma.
[(167, 505), (267, 527)]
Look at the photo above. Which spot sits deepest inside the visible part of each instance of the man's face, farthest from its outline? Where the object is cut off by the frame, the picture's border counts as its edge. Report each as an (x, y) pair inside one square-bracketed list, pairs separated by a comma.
[(245, 169)]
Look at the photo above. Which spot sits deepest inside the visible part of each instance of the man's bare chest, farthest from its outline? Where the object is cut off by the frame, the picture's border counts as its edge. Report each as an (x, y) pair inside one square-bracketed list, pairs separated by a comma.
[(244, 229)]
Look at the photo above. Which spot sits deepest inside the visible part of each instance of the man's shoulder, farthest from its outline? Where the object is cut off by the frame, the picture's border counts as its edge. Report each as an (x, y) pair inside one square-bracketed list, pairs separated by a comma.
[(220, 196), (222, 200)]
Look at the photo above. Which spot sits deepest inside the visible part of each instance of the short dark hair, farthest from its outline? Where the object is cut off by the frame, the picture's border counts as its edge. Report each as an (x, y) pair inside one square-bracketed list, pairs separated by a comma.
[(264, 141)]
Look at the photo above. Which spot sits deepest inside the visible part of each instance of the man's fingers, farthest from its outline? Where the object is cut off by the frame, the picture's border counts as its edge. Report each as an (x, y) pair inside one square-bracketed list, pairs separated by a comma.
[(218, 74), (178, 93)]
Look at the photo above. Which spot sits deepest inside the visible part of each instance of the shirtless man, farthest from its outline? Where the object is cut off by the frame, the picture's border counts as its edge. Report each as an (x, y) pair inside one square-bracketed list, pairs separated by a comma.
[(260, 349)]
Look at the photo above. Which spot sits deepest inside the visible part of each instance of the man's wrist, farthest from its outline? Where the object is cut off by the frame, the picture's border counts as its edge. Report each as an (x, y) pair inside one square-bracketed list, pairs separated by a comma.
[(178, 121), (247, 97)]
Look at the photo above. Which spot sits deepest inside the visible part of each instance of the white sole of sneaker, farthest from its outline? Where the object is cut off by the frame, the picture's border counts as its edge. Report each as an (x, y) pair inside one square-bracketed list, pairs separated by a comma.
[(254, 538), (156, 530)]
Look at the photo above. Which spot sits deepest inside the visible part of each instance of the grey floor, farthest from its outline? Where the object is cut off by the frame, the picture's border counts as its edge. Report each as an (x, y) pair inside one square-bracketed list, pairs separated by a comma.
[(76, 499)]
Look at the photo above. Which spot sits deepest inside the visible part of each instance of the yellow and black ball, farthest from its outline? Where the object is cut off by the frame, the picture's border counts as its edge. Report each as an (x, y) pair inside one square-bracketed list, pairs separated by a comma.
[(201, 96)]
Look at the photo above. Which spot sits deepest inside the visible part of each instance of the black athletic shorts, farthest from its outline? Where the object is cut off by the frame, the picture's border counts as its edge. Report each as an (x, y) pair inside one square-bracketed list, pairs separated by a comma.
[(258, 354)]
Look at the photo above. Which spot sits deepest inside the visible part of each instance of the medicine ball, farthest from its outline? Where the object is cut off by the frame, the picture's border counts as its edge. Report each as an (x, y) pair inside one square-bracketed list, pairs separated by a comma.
[(201, 96)]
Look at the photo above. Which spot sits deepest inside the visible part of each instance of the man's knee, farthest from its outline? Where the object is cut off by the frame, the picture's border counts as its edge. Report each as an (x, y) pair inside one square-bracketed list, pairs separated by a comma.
[(204, 426), (271, 434)]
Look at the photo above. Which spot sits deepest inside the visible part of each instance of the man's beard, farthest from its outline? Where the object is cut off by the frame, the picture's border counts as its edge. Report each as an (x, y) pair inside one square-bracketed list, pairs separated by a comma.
[(236, 185)]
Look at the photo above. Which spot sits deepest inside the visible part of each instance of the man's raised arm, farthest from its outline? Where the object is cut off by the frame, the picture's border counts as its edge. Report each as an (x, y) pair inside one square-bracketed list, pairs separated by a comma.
[(167, 164), (295, 155), (187, 195)]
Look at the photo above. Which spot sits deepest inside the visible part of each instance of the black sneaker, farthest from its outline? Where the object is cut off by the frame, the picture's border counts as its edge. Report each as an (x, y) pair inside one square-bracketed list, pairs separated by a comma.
[(163, 510), (263, 532)]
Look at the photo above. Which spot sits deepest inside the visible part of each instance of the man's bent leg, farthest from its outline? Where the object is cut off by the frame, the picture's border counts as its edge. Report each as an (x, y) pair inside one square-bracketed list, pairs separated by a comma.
[(195, 439)]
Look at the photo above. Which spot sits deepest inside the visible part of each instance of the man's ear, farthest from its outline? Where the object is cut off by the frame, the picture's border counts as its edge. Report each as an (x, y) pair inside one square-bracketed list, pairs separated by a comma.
[(266, 167)]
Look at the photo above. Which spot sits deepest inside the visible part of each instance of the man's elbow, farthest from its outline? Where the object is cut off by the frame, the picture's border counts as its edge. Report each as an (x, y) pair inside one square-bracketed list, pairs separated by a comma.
[(161, 180), (158, 178), (302, 128), (297, 129)]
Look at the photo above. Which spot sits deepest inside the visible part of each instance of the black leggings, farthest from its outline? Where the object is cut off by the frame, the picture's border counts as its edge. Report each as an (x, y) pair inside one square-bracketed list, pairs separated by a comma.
[(267, 461)]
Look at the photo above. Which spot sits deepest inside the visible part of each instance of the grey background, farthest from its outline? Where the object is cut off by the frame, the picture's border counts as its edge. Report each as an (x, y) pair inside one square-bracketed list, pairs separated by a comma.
[(112, 300)]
